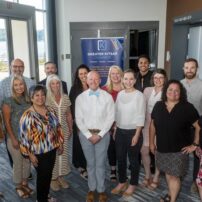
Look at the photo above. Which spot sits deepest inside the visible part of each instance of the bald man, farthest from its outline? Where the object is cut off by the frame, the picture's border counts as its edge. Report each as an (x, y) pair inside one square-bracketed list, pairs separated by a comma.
[(94, 113)]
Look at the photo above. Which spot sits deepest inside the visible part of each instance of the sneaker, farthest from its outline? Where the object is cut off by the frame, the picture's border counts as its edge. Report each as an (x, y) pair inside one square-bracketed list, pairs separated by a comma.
[(55, 185), (64, 184)]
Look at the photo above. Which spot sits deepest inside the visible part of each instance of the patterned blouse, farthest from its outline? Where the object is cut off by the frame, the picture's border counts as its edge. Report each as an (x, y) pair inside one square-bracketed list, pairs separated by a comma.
[(39, 134)]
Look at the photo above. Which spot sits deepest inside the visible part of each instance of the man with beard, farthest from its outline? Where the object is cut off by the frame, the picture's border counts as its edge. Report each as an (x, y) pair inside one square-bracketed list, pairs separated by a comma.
[(193, 86), (143, 78)]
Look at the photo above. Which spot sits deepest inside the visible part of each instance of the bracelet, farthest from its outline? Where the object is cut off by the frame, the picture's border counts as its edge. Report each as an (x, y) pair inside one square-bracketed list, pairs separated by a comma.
[(195, 144)]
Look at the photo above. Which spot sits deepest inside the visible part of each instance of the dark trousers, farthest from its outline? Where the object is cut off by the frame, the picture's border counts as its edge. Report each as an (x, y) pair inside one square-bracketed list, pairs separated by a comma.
[(44, 171), (78, 158), (123, 149), (112, 151)]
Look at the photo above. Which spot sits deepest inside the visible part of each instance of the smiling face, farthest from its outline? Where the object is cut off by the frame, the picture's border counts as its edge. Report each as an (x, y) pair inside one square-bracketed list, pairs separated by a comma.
[(93, 80), (129, 80), (38, 98), (115, 76), (158, 80), (50, 68), (18, 87), (17, 67), (55, 86), (173, 92), (190, 70), (143, 65), (82, 74)]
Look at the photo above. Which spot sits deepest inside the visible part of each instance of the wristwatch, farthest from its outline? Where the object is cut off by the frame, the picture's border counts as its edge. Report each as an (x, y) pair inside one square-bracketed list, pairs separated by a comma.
[(195, 144)]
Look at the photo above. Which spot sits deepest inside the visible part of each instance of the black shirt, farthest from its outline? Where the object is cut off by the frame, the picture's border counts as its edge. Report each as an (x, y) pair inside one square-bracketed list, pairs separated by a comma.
[(173, 129), (143, 81)]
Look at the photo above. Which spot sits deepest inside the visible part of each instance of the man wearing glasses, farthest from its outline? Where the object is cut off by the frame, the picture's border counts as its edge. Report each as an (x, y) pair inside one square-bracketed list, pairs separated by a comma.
[(17, 68)]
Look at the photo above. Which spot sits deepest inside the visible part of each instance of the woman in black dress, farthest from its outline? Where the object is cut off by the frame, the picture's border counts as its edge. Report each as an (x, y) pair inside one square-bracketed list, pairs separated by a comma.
[(172, 121), (79, 85)]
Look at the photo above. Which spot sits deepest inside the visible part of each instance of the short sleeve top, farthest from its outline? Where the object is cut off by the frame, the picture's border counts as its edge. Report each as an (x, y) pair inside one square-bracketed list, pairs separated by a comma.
[(17, 109), (40, 134), (173, 129)]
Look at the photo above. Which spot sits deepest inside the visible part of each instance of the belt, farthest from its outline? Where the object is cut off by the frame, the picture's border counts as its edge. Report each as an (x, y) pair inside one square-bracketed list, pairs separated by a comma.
[(94, 130)]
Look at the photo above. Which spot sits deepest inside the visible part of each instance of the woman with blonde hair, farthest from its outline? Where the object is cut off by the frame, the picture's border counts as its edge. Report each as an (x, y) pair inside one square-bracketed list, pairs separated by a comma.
[(13, 107), (60, 102), (113, 86)]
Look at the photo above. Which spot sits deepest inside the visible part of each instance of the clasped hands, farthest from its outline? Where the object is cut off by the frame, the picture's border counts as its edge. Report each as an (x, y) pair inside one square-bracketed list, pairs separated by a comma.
[(95, 138)]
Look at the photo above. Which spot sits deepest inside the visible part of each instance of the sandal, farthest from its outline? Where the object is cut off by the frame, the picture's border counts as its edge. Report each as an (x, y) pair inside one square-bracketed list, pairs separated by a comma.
[(153, 185), (84, 174), (113, 177), (146, 182), (165, 198), (22, 193), (28, 189)]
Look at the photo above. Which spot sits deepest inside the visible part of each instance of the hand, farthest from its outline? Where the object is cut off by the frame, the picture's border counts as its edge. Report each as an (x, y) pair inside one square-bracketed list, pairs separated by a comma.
[(152, 148), (60, 149), (94, 138), (33, 159), (1, 140), (188, 149), (15, 143), (134, 140)]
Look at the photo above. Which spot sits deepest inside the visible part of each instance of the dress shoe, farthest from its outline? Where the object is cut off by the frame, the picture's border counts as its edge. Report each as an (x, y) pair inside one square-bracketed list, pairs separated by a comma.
[(102, 197), (90, 197)]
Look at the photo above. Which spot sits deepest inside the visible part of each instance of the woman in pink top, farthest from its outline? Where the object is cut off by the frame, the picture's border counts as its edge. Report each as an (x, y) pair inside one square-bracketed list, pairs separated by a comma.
[(113, 86), (152, 95)]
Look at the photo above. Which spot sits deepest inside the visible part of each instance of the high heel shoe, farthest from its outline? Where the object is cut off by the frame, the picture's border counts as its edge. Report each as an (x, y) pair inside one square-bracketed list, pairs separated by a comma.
[(119, 191)]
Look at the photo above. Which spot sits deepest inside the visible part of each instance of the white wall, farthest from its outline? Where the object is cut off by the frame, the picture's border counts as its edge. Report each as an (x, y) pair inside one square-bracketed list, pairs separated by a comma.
[(105, 10)]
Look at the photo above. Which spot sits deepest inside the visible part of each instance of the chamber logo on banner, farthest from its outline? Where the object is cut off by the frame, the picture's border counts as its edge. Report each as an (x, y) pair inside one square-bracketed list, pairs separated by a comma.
[(101, 53)]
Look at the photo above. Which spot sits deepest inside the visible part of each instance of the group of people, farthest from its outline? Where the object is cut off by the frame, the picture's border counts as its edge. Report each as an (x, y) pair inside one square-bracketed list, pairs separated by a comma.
[(141, 117), (38, 123)]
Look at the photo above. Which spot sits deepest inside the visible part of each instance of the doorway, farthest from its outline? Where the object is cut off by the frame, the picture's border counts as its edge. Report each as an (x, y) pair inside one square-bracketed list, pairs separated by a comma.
[(17, 38)]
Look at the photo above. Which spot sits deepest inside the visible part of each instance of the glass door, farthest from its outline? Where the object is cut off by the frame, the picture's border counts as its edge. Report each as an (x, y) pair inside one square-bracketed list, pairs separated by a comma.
[(18, 38), (4, 57)]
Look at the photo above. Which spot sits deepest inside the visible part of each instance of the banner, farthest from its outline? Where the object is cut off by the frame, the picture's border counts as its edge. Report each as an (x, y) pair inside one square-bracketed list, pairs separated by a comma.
[(101, 53)]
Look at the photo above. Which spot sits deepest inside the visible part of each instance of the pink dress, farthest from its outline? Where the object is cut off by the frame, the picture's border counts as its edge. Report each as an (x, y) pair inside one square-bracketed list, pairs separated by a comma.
[(151, 98)]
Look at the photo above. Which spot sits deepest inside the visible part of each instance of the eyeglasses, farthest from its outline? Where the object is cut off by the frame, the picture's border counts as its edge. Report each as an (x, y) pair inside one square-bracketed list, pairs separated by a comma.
[(15, 66)]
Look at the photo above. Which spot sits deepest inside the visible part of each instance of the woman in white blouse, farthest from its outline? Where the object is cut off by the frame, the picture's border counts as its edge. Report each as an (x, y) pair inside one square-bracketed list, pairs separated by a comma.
[(129, 118), (152, 95)]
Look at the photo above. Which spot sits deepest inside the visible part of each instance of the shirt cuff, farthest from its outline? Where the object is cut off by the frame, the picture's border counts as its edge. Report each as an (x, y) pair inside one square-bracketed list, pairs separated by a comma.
[(88, 134)]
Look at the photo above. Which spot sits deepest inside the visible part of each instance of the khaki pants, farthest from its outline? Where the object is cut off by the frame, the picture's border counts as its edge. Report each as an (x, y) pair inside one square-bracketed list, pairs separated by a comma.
[(21, 165)]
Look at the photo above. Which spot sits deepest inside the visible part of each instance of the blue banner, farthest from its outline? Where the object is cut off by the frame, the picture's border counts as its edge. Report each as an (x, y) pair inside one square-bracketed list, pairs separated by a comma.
[(101, 53)]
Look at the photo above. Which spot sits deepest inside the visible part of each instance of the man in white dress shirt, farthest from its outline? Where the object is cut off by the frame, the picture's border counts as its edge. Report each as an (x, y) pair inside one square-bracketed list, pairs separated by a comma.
[(94, 116)]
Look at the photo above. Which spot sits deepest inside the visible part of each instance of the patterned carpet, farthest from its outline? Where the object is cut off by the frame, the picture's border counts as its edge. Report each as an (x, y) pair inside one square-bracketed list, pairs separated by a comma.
[(78, 187)]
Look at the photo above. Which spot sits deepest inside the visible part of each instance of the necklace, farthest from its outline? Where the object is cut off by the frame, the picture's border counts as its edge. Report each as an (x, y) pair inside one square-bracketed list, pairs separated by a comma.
[(43, 113)]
